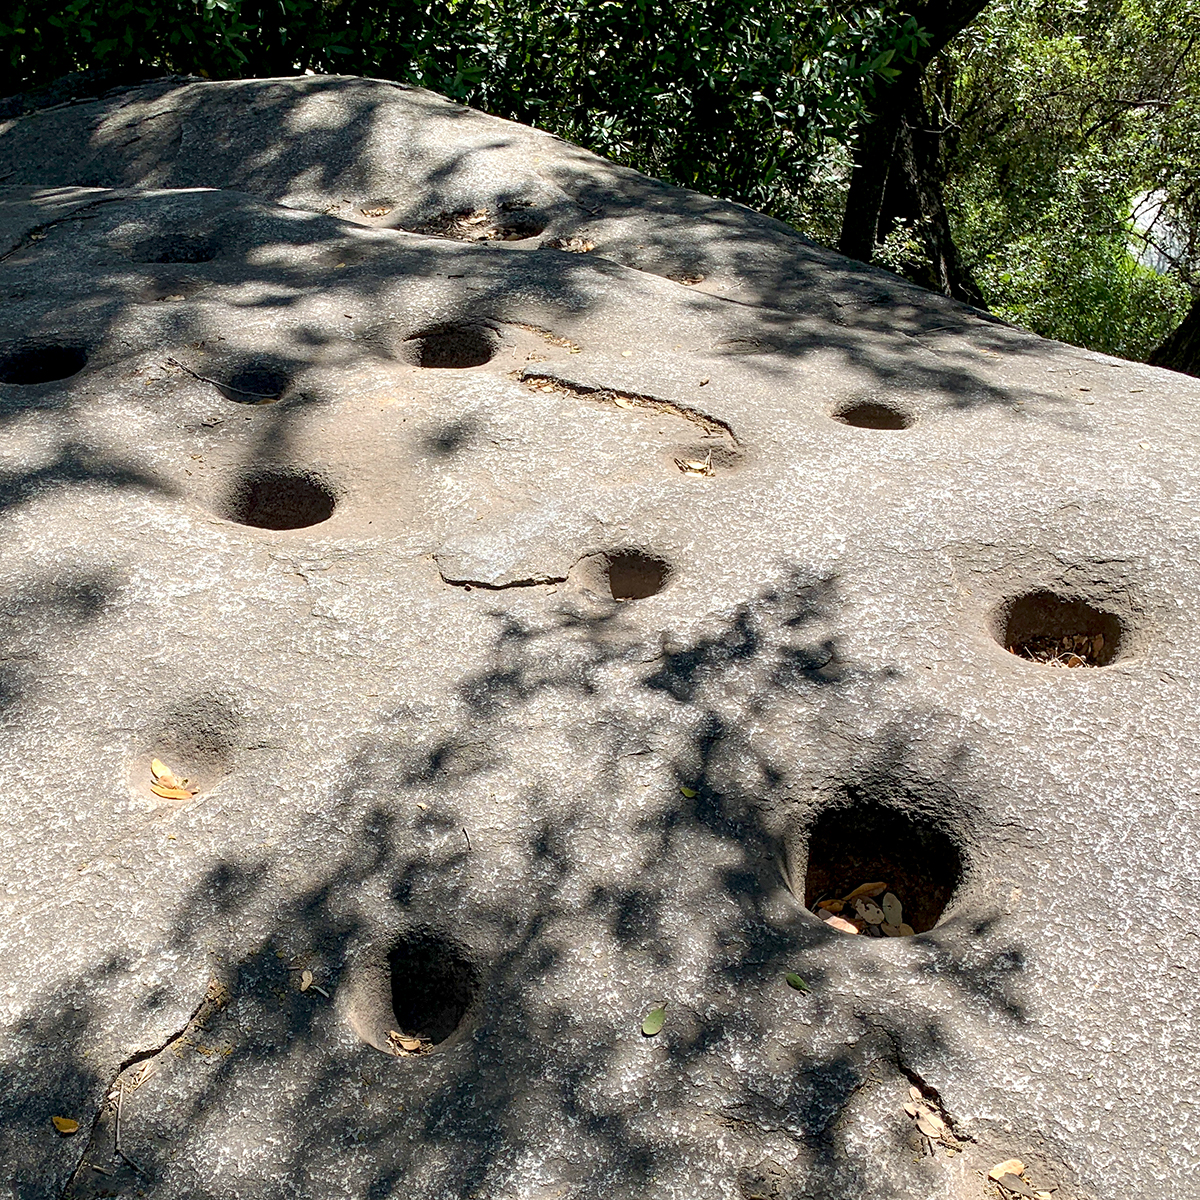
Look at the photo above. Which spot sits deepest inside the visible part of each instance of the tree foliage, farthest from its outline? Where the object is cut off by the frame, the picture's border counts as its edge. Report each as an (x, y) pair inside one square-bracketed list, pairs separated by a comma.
[(1045, 124), (1061, 118), (736, 97)]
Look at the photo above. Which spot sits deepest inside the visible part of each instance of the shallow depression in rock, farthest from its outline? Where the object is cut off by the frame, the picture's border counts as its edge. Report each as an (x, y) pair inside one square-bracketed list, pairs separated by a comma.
[(868, 839), (254, 381), (174, 249), (41, 363), (1062, 631), (870, 414), (280, 500)]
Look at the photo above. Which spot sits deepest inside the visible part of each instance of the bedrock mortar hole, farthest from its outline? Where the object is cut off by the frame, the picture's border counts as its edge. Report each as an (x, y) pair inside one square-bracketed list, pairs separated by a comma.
[(280, 500), (633, 575), (255, 381), (41, 364), (867, 840), (452, 347), (433, 985), (870, 415), (511, 224), (174, 249), (1058, 630)]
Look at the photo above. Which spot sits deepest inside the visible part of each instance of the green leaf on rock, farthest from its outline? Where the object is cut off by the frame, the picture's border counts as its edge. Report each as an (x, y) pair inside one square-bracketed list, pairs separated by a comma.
[(654, 1021), (794, 981), (690, 793)]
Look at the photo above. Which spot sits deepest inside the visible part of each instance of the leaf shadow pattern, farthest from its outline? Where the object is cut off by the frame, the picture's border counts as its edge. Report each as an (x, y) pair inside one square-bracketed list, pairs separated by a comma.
[(598, 857)]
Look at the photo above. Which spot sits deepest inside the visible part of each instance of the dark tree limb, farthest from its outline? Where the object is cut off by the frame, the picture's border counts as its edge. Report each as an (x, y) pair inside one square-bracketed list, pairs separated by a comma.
[(918, 160), (875, 146), (1181, 350)]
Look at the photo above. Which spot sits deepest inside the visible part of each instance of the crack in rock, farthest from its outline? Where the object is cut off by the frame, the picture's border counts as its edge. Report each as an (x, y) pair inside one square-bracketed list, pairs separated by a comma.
[(712, 426), (215, 998)]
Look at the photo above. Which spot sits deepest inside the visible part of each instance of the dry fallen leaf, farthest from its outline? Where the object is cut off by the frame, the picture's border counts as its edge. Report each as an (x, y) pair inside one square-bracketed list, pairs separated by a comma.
[(842, 924), (65, 1124), (931, 1125), (1011, 1183), (893, 910), (306, 978), (625, 402), (171, 793), (868, 890), (907, 931), (1010, 1166), (869, 911), (890, 930), (402, 1044), (833, 906), (695, 466), (167, 784)]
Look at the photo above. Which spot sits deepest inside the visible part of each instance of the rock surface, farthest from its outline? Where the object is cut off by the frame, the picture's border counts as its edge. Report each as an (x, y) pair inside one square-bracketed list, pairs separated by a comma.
[(540, 648)]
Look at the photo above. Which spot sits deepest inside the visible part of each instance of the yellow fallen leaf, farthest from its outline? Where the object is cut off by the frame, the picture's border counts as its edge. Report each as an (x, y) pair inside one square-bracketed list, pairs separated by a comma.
[(171, 793), (867, 890), (1010, 1166), (690, 793), (65, 1124), (833, 906), (158, 768), (400, 1042)]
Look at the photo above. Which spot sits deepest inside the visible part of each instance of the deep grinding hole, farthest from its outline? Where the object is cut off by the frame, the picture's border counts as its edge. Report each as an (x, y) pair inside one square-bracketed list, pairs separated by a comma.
[(480, 225), (869, 415), (41, 364), (452, 346), (433, 985), (634, 576), (260, 381), (868, 840), (172, 249), (1060, 631), (280, 500)]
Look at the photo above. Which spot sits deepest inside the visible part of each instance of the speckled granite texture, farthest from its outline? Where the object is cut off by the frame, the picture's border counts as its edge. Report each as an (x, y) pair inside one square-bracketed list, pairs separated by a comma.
[(332, 415)]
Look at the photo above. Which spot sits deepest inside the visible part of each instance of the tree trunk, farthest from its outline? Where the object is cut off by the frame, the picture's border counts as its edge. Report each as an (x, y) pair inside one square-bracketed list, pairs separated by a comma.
[(873, 153), (1181, 351), (876, 145), (918, 158)]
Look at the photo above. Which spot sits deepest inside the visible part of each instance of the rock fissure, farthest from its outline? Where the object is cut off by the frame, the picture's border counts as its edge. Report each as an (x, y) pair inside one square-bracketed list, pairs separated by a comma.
[(215, 998), (712, 426)]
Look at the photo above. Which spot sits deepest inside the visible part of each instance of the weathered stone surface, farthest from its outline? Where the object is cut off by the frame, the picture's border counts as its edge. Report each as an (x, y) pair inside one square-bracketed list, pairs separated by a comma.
[(423, 726)]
